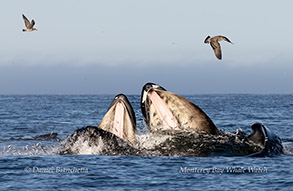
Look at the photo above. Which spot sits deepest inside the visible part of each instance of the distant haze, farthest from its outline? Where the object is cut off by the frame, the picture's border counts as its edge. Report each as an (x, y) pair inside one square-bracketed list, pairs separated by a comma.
[(111, 47)]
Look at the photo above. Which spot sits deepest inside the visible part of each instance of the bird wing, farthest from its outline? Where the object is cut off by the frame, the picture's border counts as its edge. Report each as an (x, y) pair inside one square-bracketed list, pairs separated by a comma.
[(223, 38), (32, 24), (217, 49), (26, 21), (207, 40)]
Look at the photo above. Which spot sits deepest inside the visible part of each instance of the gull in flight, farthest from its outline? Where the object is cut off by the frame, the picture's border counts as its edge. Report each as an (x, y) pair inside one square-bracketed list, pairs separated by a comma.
[(214, 42), (29, 25)]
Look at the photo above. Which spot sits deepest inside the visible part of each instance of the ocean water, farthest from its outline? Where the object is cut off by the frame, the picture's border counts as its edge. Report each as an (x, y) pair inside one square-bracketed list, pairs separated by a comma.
[(30, 163)]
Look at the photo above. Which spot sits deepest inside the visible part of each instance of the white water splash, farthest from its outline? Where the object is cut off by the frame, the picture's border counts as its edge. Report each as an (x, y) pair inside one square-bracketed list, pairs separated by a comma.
[(82, 146), (150, 141), (288, 148), (35, 149)]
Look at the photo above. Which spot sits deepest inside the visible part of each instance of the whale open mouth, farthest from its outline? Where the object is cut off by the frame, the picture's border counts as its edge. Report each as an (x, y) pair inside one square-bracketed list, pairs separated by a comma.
[(114, 134), (155, 110), (120, 119), (270, 143), (163, 110), (166, 116)]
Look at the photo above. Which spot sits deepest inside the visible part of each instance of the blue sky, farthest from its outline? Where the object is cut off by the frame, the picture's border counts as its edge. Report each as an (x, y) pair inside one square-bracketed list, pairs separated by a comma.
[(109, 47)]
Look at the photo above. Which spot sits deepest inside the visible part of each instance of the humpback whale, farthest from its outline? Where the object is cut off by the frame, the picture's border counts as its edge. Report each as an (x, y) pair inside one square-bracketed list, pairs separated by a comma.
[(114, 135), (120, 119), (271, 144), (177, 128), (163, 111), (195, 134)]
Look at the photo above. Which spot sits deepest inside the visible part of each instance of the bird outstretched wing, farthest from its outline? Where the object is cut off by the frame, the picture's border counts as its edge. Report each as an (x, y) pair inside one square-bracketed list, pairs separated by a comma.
[(32, 23), (26, 21), (224, 38), (217, 49)]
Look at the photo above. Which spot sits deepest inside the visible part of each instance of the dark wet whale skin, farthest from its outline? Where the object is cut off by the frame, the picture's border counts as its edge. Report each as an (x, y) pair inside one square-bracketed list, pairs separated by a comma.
[(271, 142), (112, 145)]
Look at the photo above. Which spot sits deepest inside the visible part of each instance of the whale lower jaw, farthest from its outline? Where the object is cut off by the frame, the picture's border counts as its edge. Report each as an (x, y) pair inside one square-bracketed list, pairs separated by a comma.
[(115, 132), (120, 120), (163, 111), (167, 118)]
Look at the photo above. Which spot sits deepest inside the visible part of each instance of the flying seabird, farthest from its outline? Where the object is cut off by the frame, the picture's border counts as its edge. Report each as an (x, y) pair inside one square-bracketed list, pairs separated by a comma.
[(214, 42), (29, 25)]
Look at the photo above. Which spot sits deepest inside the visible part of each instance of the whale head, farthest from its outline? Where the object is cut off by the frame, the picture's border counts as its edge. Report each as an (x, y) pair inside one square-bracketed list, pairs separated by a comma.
[(120, 119), (166, 111), (263, 136)]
